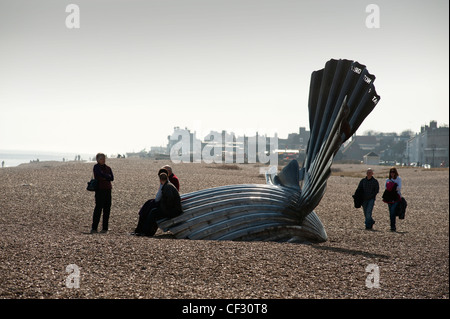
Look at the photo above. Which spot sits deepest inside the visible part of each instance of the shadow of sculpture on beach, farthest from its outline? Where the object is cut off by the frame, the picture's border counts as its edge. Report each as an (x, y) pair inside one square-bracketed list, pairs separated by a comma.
[(350, 251), (165, 235)]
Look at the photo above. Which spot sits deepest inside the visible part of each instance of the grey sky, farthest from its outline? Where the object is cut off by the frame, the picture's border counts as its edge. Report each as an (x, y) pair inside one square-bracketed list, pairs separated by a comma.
[(135, 69)]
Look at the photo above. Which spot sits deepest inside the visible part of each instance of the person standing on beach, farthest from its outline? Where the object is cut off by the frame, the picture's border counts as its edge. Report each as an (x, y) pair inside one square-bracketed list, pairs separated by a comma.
[(369, 189), (392, 195), (104, 175)]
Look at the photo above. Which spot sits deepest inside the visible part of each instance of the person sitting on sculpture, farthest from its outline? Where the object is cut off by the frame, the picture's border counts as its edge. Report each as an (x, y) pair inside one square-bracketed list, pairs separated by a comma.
[(148, 206), (167, 204), (172, 177)]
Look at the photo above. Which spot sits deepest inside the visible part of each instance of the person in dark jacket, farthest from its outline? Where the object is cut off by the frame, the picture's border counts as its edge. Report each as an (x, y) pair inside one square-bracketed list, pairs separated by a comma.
[(392, 195), (104, 176), (148, 207), (170, 205), (368, 188), (167, 204)]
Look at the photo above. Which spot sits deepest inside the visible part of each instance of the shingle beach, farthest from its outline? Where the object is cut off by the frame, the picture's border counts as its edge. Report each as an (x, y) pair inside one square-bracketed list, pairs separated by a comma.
[(46, 213)]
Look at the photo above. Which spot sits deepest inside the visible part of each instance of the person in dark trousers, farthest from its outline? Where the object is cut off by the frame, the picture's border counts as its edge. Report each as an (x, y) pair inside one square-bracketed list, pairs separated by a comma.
[(104, 176), (368, 188), (392, 195), (148, 207), (168, 205)]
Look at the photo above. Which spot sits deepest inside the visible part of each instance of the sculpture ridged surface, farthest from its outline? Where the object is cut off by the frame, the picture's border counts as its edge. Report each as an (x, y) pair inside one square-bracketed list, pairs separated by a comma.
[(341, 96)]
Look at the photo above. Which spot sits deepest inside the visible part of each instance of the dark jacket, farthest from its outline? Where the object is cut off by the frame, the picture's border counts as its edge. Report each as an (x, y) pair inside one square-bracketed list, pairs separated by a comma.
[(401, 209), (104, 175), (358, 197), (170, 203), (370, 188), (367, 189)]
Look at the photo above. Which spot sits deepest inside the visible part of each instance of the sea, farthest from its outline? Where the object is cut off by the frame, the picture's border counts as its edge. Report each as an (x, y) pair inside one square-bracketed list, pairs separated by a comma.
[(15, 158)]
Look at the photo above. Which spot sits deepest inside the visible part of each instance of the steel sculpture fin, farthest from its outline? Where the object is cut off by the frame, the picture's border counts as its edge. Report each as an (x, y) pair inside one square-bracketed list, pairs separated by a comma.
[(289, 176)]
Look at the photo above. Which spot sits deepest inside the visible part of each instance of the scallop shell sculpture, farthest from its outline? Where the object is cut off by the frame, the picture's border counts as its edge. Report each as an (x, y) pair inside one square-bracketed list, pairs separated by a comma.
[(341, 96)]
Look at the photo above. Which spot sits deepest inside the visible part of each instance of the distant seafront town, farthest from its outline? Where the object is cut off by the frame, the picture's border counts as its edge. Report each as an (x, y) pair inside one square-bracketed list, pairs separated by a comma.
[(427, 148)]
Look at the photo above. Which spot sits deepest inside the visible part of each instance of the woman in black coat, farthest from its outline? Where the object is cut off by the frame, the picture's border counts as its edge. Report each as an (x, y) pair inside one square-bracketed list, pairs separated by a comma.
[(104, 176)]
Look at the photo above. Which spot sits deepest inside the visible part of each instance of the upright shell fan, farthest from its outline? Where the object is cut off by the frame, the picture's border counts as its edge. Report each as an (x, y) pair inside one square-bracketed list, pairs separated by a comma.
[(341, 96)]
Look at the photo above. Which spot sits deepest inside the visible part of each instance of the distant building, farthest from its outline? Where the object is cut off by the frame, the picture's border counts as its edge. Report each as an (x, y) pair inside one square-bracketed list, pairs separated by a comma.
[(220, 146), (350, 151), (367, 142), (389, 147), (158, 150), (430, 146), (371, 159), (193, 144), (294, 146), (358, 147), (295, 141)]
